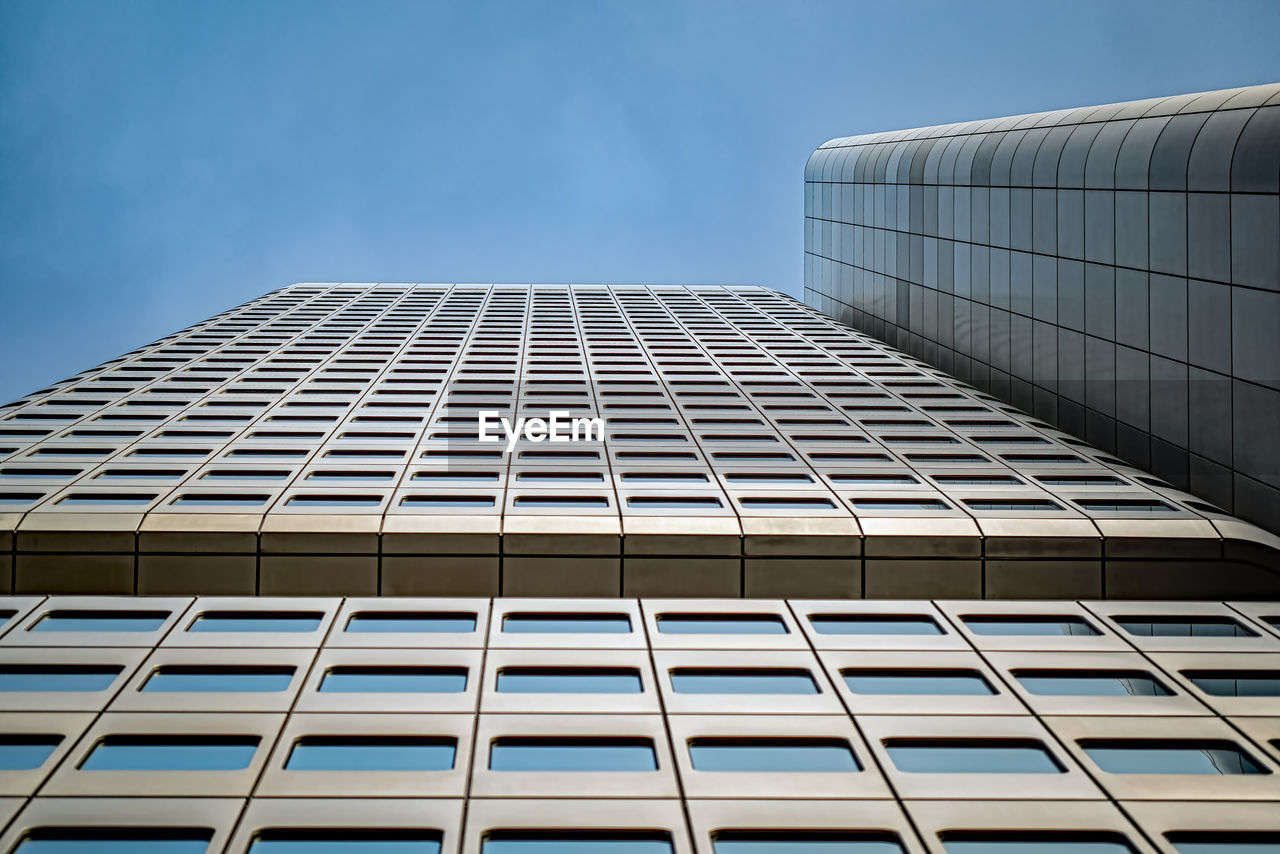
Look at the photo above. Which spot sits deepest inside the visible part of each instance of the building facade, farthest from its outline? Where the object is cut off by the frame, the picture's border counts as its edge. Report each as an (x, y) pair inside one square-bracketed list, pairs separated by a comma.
[(1113, 270)]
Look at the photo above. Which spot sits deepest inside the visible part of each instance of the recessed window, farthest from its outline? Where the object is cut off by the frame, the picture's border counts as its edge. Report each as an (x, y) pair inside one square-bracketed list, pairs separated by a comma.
[(180, 678), (762, 502), (571, 623), (38, 473), (1091, 683), (394, 680), (256, 621), (971, 756), (412, 621), (1184, 627), (447, 501), (115, 840), (220, 499), (1038, 625), (1170, 756), (172, 753), (768, 755), (767, 477), (1033, 842), (576, 842), (93, 499), (1224, 841), (449, 476), (371, 753), (345, 840), (724, 680), (721, 624), (58, 677), (308, 500), (804, 842), (873, 478), (22, 752), (868, 680), (1011, 504), (1080, 480), (874, 624), (569, 680), (898, 504), (560, 477), (1236, 683), (581, 501), (101, 621), (246, 474), (1118, 505), (572, 754)]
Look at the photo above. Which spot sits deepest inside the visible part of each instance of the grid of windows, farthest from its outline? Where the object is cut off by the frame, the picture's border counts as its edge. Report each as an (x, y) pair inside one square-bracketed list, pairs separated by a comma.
[(323, 440), (1114, 270), (1074, 725)]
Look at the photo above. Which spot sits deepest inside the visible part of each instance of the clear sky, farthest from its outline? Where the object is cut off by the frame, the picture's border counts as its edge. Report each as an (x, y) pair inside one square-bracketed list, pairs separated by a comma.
[(162, 161)]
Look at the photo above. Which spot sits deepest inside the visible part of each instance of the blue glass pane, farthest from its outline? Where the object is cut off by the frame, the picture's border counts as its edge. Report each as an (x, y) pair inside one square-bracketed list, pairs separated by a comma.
[(1159, 756), (6, 615), (1041, 626), (1236, 683), (571, 842), (573, 754), (115, 840), (372, 753), (101, 621), (1225, 842), (772, 754), (222, 678), (1036, 843), (1184, 627), (340, 840), (802, 842), (971, 756), (876, 681), (721, 624), (412, 621), (57, 677), (172, 753), (874, 624), (24, 752), (698, 680), (567, 623), (569, 680), (1091, 683), (395, 680), (257, 621)]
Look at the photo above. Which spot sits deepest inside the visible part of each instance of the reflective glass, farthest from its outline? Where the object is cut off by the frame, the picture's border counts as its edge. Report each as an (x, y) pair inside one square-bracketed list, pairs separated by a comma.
[(1028, 624), (24, 752), (101, 621), (576, 842), (1236, 683), (172, 753), (567, 624), (803, 842), (1160, 756), (874, 624), (394, 680), (219, 678), (371, 753), (57, 677), (1184, 627), (115, 840), (1091, 683), (412, 621), (721, 624), (710, 680), (569, 680), (761, 755), (971, 756), (572, 754), (916, 681), (257, 621), (1225, 842), (344, 840), (1016, 842)]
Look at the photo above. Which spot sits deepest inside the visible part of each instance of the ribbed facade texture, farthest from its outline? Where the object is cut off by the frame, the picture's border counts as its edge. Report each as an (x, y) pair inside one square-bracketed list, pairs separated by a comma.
[(1113, 270)]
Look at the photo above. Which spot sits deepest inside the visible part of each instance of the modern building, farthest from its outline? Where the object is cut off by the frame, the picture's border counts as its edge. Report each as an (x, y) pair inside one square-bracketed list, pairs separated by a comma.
[(1113, 270)]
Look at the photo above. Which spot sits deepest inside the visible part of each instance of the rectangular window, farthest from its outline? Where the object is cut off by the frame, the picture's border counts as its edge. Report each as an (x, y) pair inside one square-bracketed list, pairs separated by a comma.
[(177, 678), (1225, 841), (1042, 842), (394, 680), (1091, 683), (569, 680), (172, 753), (572, 754), (769, 755), (721, 624), (673, 502), (580, 623), (347, 840), (561, 501), (916, 681), (1169, 756), (971, 756), (874, 624), (723, 680), (411, 621), (58, 677), (576, 842), (372, 753), (22, 752), (804, 842), (1046, 625), (101, 621), (1184, 627), (256, 621), (1236, 683), (899, 504), (115, 840)]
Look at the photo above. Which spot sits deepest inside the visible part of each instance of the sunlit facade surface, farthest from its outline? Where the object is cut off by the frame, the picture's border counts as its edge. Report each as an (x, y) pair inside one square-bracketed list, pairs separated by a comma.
[(1113, 270)]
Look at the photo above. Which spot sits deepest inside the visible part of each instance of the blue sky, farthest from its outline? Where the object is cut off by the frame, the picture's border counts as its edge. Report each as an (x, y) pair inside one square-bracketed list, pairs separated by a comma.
[(161, 161)]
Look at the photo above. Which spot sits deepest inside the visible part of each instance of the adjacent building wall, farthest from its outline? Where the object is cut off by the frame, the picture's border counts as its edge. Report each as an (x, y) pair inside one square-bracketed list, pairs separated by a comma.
[(1114, 270)]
